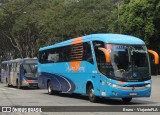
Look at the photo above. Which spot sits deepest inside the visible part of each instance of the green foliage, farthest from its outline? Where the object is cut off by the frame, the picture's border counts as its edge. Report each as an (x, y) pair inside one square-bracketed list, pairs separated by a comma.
[(27, 25), (141, 18), (30, 24)]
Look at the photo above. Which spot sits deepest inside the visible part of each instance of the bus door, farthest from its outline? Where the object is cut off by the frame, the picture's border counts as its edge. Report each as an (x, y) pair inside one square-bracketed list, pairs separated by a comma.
[(8, 75), (21, 72), (13, 76), (18, 71)]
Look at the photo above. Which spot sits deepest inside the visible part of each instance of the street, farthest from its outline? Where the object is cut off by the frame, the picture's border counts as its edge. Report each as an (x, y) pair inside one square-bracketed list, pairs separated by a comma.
[(10, 96)]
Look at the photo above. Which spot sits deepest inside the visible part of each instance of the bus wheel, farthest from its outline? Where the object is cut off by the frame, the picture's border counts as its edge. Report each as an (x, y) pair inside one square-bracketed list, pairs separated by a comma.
[(50, 91), (91, 95), (126, 100), (18, 85), (38, 87), (7, 83)]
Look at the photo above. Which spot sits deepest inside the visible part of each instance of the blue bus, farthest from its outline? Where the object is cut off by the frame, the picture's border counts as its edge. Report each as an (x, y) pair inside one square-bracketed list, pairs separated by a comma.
[(98, 65), (20, 72)]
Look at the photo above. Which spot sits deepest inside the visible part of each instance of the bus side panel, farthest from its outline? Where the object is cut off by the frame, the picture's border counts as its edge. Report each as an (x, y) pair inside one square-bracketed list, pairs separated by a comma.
[(40, 81), (4, 76), (64, 79)]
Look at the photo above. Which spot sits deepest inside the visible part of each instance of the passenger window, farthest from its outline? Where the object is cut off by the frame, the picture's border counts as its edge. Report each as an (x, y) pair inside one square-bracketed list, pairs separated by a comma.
[(100, 57), (17, 68), (87, 52)]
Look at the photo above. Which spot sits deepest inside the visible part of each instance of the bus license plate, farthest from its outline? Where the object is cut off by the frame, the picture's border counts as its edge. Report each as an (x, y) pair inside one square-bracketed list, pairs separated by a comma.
[(133, 94)]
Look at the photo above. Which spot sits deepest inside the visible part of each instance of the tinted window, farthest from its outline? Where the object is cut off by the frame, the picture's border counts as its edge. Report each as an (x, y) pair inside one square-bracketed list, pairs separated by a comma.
[(76, 52), (87, 52), (100, 57)]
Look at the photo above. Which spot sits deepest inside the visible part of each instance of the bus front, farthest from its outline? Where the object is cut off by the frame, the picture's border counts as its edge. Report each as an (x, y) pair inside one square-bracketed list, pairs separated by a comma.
[(125, 69), (29, 74)]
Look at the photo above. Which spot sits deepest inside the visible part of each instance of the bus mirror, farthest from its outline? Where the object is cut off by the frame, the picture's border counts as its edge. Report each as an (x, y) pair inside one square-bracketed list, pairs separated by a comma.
[(156, 56), (107, 54)]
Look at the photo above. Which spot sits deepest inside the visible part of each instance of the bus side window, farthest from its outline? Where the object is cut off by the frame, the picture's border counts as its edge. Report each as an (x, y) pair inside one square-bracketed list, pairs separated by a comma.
[(12, 68), (43, 56), (87, 53), (66, 53), (53, 55), (18, 68), (100, 57)]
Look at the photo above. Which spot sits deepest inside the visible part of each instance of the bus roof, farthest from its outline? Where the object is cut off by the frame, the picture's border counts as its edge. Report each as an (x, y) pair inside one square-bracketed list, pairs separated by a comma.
[(6, 62), (19, 60), (107, 38)]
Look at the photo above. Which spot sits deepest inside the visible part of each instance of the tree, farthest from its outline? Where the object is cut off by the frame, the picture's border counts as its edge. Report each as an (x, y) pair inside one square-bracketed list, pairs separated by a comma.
[(141, 18), (10, 12), (72, 18), (27, 25)]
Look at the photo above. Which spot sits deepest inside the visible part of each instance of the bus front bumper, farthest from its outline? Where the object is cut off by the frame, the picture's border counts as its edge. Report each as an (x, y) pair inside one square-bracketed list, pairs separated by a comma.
[(116, 92), (32, 83)]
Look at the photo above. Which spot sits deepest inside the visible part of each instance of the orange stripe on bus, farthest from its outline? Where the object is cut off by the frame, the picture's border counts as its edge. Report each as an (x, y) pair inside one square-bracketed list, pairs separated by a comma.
[(75, 65), (77, 40)]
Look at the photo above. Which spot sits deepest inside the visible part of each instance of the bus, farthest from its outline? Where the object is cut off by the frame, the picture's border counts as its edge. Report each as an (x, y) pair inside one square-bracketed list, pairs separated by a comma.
[(20, 72), (5, 70), (97, 65)]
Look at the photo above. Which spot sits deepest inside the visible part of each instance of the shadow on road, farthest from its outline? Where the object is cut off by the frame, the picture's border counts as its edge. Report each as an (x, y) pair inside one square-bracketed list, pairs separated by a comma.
[(24, 88), (106, 101)]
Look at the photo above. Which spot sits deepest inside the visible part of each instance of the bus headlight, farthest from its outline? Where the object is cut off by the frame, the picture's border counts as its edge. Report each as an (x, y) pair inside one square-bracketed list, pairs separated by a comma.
[(114, 85), (148, 85), (111, 84)]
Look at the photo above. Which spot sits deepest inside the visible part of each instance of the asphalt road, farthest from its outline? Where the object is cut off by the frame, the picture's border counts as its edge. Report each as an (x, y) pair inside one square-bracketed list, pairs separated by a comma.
[(10, 96)]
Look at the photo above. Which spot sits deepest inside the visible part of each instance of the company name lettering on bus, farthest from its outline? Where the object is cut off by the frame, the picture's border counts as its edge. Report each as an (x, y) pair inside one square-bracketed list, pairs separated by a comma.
[(137, 50), (132, 49), (69, 68), (120, 48)]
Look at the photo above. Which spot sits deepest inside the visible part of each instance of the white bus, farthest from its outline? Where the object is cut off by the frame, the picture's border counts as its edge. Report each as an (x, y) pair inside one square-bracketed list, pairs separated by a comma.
[(20, 72)]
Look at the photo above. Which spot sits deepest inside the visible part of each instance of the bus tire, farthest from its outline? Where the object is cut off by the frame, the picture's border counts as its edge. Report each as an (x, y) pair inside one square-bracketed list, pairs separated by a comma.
[(38, 87), (91, 95), (18, 84), (126, 100), (49, 87), (7, 83)]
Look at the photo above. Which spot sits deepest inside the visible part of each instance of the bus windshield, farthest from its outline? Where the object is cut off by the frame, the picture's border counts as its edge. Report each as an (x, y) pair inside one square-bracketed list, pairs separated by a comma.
[(127, 63), (30, 70)]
